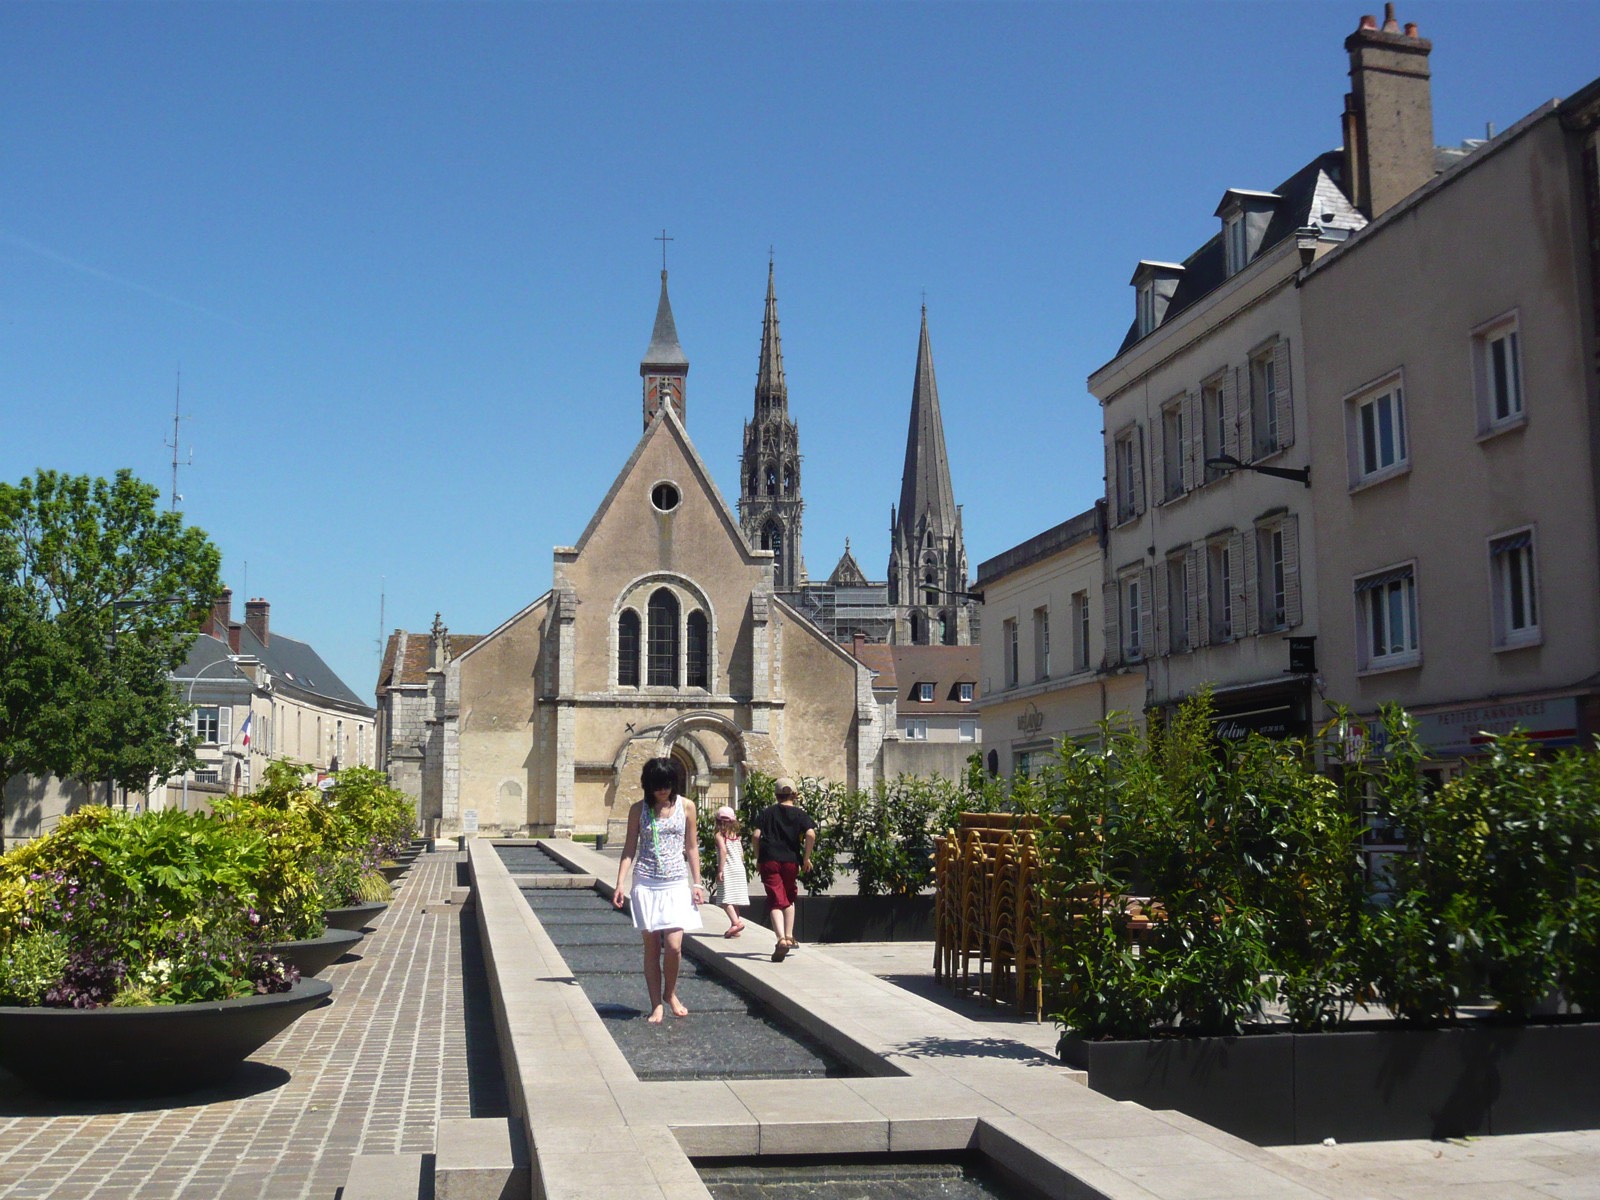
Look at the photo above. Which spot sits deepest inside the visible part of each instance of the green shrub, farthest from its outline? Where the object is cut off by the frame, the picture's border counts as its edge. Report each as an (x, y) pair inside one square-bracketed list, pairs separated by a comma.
[(31, 965)]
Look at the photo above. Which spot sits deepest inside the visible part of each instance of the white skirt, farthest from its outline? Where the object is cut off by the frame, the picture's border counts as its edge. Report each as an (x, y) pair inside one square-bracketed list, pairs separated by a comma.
[(669, 906)]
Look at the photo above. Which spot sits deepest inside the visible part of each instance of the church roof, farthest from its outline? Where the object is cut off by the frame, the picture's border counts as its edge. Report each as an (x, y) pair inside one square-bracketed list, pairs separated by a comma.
[(664, 349), (848, 572), (771, 390), (405, 658), (925, 491)]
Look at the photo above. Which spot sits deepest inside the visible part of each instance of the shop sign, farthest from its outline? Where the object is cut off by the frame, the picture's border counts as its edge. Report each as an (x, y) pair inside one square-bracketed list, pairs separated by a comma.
[(1277, 721), (1467, 730), (1030, 720)]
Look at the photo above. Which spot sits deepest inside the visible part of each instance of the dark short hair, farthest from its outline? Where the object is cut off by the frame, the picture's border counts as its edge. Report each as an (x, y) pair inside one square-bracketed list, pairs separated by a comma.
[(659, 773)]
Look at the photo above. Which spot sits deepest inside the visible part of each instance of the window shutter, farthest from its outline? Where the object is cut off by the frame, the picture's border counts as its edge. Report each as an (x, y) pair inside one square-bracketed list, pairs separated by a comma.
[(1291, 571), (1199, 597), (1246, 419), (1282, 393), (1138, 469), (1230, 415), (1146, 615), (1194, 440), (1113, 599), (1238, 594), (1158, 456), (1111, 479), (1252, 584), (1163, 626), (224, 724)]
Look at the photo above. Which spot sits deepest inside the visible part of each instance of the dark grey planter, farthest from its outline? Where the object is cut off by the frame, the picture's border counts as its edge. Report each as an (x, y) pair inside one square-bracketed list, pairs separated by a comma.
[(1377, 1082), (159, 1049), (855, 918), (354, 916), (311, 955), (393, 871)]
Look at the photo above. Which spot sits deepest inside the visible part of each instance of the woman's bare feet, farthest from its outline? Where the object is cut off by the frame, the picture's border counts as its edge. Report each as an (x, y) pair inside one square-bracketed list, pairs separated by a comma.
[(656, 1014), (678, 1010)]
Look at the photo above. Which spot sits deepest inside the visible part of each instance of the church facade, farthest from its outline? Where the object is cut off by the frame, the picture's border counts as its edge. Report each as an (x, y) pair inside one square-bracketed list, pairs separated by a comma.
[(662, 634)]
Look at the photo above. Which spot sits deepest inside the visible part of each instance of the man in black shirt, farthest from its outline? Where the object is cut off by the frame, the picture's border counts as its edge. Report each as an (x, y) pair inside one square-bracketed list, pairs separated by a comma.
[(783, 835)]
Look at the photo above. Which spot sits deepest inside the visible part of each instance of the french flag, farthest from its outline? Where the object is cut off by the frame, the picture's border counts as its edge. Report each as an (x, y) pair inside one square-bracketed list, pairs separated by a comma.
[(244, 730)]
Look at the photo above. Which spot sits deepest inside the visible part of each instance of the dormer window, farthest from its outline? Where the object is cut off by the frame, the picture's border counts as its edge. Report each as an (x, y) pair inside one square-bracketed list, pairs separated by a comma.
[(1245, 218), (1147, 307), (1236, 243), (1154, 284)]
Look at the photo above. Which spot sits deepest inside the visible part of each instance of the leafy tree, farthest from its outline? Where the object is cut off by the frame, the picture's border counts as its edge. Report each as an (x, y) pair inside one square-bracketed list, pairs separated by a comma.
[(101, 595)]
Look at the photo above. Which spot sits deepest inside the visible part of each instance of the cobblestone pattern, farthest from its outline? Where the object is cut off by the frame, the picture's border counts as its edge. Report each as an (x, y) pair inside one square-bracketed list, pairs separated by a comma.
[(373, 1072)]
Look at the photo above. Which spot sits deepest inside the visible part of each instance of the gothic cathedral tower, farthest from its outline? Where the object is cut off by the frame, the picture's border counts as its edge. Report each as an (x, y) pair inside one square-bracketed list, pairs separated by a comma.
[(665, 367), (769, 469), (927, 555)]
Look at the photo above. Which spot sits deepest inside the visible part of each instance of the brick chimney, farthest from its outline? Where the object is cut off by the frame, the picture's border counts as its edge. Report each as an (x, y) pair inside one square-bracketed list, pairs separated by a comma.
[(233, 636), (1388, 114), (221, 613), (255, 617)]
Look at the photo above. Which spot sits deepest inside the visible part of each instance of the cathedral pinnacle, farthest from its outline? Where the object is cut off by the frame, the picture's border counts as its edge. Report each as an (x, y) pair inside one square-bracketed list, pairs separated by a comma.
[(771, 390)]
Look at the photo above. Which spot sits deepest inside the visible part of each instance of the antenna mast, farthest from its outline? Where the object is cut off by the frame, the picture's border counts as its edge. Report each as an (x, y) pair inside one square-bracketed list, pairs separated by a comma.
[(383, 581), (177, 416)]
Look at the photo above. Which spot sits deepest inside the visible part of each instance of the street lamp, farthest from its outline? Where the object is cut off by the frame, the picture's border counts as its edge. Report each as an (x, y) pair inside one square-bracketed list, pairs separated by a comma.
[(188, 702), (1230, 464)]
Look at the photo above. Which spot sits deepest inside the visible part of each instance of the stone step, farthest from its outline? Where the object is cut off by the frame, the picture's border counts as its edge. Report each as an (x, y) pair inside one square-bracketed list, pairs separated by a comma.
[(384, 1177), (480, 1158)]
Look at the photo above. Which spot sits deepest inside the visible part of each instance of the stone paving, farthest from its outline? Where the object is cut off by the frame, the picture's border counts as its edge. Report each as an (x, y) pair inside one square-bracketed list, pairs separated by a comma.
[(402, 1045)]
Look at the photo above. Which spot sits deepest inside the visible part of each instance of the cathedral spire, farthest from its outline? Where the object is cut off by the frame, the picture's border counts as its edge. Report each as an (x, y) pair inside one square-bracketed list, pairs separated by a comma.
[(772, 393), (928, 555), (769, 469), (925, 493), (665, 367)]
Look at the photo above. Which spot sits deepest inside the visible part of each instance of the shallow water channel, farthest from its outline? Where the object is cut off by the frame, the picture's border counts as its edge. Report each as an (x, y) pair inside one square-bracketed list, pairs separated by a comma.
[(728, 1034)]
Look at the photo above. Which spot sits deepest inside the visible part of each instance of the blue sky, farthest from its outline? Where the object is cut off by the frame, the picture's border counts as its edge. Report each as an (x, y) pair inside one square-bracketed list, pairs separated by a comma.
[(402, 253)]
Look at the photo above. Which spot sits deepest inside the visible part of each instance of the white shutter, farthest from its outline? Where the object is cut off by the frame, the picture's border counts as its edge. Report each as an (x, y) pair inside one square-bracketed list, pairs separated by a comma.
[(1291, 570), (1136, 440), (1146, 615), (1230, 415), (1158, 455), (224, 724), (1252, 583), (1247, 414), (1282, 393), (1194, 440), (1163, 628), (1237, 598), (1113, 602), (1111, 480), (1200, 596)]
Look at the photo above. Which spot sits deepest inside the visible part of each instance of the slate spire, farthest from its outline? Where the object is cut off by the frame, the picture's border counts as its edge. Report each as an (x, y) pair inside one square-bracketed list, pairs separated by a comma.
[(665, 367), (770, 507), (772, 393), (925, 492)]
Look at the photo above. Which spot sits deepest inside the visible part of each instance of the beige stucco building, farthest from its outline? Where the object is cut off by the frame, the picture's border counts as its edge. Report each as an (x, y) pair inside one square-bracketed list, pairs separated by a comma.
[(1451, 359), (661, 634), (1041, 678)]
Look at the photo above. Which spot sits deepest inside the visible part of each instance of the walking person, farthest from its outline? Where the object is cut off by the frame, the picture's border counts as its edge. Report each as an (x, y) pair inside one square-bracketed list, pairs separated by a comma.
[(733, 885), (664, 853), (783, 836)]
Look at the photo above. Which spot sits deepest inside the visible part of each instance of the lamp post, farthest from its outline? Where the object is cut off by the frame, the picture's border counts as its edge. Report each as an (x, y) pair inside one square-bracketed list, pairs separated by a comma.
[(1230, 464), (188, 701)]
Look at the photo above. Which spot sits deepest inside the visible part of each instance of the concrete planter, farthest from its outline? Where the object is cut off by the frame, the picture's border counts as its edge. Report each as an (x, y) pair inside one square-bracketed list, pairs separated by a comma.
[(311, 955), (393, 870), (354, 916), (854, 918), (1373, 1083), (159, 1049)]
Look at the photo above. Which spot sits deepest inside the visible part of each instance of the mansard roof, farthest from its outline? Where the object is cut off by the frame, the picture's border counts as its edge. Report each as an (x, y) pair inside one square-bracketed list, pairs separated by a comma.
[(1313, 195), (664, 350)]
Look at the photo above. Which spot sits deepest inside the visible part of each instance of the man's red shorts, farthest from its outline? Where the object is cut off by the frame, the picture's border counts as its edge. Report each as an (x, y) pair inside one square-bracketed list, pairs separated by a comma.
[(778, 878)]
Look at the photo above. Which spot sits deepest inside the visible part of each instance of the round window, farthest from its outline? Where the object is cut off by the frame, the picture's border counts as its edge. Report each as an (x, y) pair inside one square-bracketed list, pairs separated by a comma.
[(665, 497)]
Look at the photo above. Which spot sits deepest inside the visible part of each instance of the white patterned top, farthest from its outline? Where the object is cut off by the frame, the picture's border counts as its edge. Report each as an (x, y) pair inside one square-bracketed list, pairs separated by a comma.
[(661, 858)]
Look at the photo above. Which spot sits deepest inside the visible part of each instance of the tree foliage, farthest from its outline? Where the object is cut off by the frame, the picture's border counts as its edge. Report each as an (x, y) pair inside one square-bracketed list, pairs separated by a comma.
[(101, 595)]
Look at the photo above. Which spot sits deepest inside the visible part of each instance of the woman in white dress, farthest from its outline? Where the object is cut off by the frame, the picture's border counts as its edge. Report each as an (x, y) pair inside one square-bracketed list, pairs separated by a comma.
[(664, 852)]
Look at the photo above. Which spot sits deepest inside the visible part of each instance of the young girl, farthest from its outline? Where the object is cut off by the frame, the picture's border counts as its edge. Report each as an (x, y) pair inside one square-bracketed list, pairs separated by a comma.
[(665, 856), (733, 885)]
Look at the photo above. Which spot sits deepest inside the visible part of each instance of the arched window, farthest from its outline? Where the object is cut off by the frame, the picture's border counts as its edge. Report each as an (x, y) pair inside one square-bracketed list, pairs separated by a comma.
[(772, 539), (699, 674), (772, 482), (919, 629), (663, 648), (628, 649), (788, 481)]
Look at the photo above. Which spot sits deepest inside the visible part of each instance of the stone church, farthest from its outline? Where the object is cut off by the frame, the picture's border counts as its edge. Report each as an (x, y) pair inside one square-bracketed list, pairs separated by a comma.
[(662, 633)]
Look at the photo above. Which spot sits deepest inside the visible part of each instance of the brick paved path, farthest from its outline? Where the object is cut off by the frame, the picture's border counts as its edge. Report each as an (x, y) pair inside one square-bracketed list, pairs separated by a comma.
[(408, 1040)]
